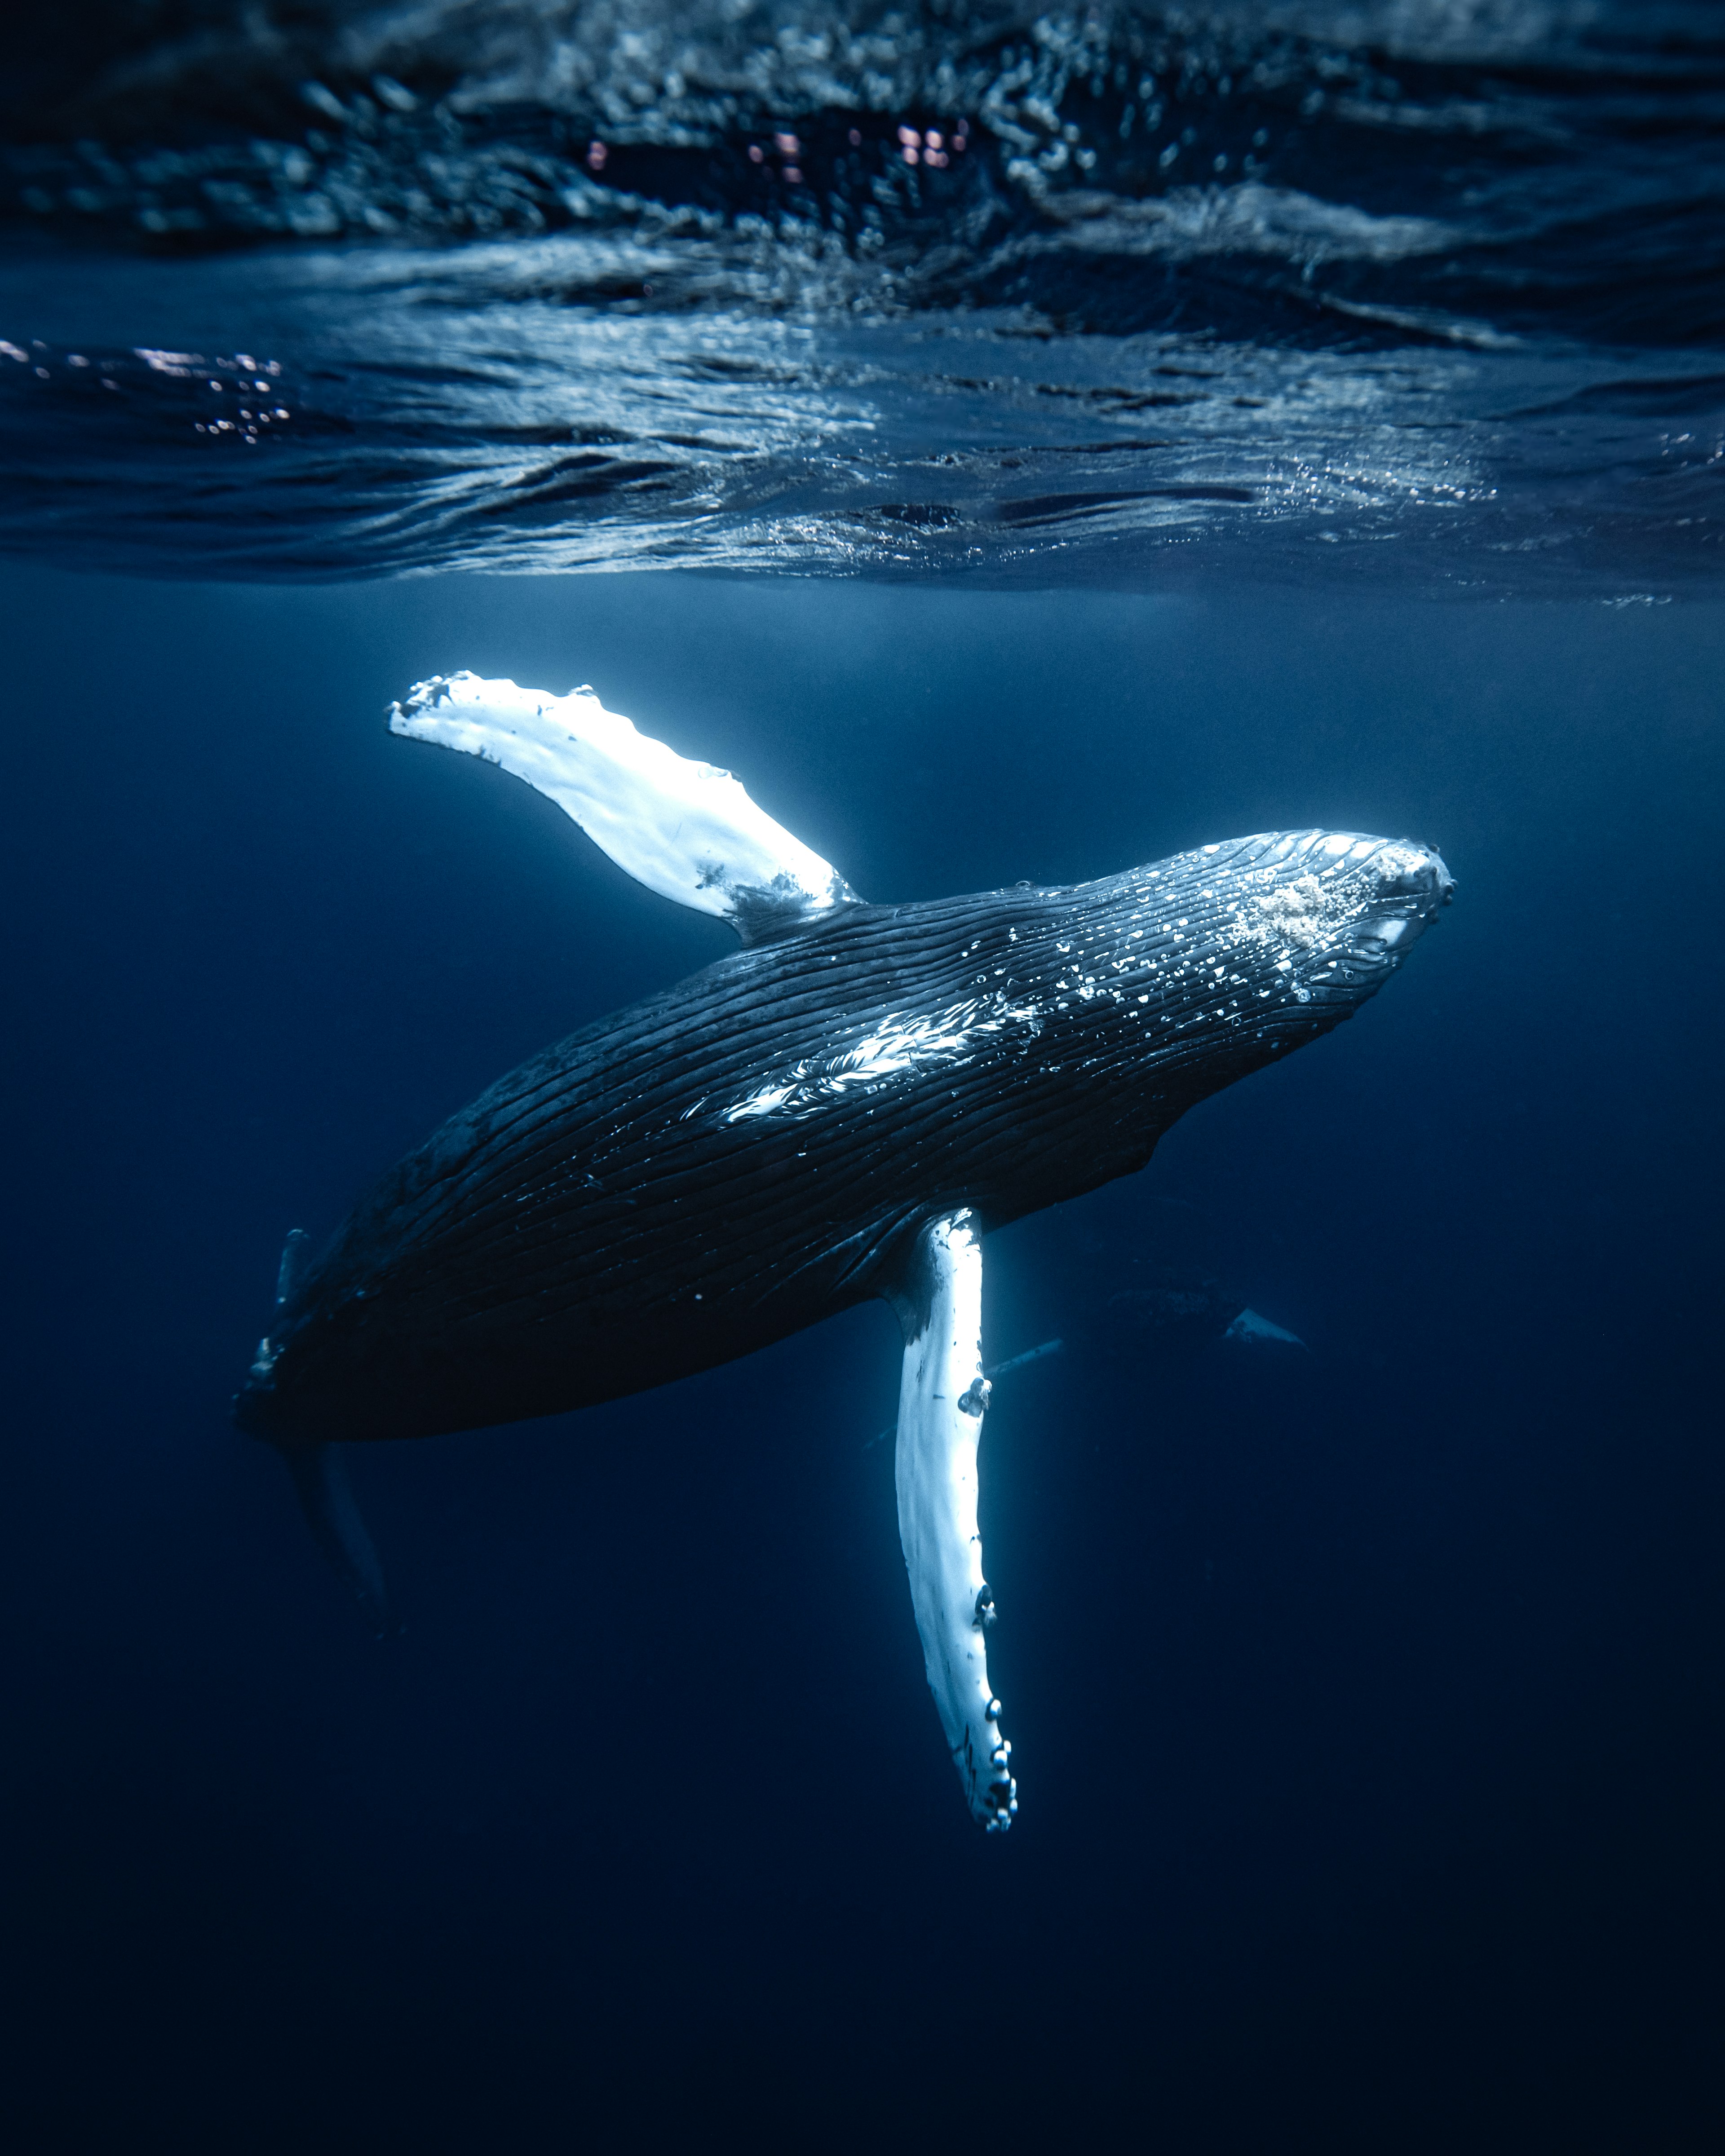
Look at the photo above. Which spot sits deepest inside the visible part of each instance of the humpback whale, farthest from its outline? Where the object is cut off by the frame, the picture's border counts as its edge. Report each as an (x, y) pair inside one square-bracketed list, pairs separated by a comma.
[(842, 1108)]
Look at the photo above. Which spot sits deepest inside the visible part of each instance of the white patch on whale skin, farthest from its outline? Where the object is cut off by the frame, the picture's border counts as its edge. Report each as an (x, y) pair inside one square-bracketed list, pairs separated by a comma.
[(687, 830), (901, 1045)]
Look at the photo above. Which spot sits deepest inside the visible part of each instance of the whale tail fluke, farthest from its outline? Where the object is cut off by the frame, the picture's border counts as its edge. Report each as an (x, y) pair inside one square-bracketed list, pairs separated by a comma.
[(320, 1477), (319, 1469)]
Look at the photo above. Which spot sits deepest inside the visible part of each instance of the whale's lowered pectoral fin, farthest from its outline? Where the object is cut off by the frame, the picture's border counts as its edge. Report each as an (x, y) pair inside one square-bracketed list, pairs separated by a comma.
[(942, 1398), (320, 1477), (687, 830)]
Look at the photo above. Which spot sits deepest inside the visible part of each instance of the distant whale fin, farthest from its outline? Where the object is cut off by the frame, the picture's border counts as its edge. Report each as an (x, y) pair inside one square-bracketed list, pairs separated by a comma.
[(1250, 1327), (320, 1475), (942, 1398), (296, 1263), (1030, 1355), (686, 831)]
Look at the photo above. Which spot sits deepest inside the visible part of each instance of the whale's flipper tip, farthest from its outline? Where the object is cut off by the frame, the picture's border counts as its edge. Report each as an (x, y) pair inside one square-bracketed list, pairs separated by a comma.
[(320, 1478)]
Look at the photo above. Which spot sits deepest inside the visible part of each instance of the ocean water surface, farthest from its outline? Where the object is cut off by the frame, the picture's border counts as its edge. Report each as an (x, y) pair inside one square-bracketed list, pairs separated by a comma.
[(1056, 441), (1425, 292)]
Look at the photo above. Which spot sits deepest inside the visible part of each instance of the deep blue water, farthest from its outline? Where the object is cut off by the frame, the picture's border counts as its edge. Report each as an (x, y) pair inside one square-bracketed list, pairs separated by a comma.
[(1271, 416), (1366, 1703)]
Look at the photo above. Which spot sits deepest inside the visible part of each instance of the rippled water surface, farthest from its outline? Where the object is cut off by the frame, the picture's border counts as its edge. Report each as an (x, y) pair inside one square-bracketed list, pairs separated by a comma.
[(1432, 287)]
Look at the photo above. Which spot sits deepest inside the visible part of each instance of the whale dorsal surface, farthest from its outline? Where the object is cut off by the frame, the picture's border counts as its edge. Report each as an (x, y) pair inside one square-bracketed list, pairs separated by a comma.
[(842, 1111), (687, 830)]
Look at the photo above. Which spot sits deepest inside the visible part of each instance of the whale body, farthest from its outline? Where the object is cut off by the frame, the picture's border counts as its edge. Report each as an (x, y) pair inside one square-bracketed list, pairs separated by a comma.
[(838, 1111), (756, 1148)]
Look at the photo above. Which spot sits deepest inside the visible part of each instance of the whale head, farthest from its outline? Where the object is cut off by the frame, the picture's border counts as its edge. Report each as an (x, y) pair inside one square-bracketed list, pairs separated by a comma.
[(1195, 970), (1323, 918)]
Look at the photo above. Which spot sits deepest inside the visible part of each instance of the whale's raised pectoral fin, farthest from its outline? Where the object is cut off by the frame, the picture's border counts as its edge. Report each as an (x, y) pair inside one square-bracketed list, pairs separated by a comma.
[(320, 1477), (686, 831), (942, 1398)]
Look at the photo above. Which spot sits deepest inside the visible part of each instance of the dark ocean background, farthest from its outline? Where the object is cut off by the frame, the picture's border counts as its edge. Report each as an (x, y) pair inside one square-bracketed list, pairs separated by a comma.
[(1019, 516)]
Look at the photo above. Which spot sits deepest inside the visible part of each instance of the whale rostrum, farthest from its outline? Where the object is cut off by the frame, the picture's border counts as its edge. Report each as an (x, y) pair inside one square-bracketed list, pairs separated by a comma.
[(842, 1109)]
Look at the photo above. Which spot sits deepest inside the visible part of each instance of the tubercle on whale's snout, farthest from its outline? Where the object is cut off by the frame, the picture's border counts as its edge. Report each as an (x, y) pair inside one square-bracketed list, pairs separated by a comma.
[(1412, 893), (1343, 910), (1414, 872)]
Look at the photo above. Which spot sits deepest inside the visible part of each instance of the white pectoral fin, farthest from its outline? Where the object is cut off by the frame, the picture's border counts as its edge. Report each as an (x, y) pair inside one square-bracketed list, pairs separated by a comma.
[(686, 831), (942, 1398)]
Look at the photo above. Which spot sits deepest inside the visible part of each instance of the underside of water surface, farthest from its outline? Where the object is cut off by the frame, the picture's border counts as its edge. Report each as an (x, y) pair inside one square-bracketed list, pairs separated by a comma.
[(1430, 287)]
